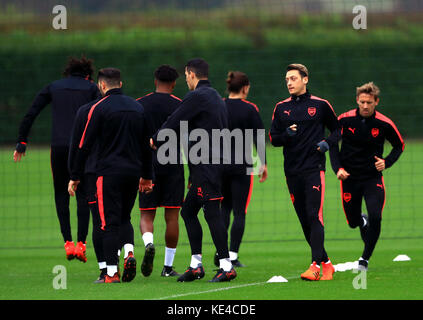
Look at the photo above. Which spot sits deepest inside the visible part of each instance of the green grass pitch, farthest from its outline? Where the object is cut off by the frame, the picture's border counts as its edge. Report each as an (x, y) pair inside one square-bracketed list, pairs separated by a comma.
[(31, 244)]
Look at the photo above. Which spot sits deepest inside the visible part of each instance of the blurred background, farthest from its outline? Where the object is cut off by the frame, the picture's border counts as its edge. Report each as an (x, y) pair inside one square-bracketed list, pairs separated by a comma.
[(258, 37)]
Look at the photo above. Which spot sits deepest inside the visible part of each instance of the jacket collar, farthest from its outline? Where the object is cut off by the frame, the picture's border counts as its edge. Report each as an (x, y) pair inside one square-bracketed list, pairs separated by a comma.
[(301, 97), (357, 112), (203, 83), (113, 91)]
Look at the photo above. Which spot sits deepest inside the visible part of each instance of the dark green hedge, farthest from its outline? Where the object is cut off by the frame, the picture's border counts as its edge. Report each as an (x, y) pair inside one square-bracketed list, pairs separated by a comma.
[(338, 62)]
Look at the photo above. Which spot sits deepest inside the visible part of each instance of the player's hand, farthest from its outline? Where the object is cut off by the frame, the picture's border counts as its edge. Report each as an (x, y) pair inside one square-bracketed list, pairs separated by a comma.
[(379, 164), (322, 146), (72, 186), (342, 174), (19, 151), (17, 156), (152, 144), (263, 173), (291, 130), (146, 185)]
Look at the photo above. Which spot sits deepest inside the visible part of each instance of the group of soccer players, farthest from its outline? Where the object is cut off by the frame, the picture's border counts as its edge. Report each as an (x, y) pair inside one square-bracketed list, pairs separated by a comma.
[(105, 148)]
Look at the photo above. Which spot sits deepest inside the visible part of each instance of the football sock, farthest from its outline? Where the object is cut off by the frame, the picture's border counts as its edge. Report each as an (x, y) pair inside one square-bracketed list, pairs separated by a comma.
[(233, 255), (225, 264), (128, 247), (147, 237), (102, 265), (111, 270), (169, 256), (196, 260)]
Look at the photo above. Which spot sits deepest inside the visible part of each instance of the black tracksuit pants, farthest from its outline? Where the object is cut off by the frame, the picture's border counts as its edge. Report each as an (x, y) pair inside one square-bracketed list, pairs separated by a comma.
[(116, 196), (236, 190), (59, 168), (373, 191), (307, 195)]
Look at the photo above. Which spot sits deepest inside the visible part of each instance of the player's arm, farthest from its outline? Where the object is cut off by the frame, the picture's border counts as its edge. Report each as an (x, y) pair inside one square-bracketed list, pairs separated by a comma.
[(77, 130), (146, 183), (92, 128), (395, 138), (279, 134), (41, 100), (189, 108), (331, 122), (257, 124)]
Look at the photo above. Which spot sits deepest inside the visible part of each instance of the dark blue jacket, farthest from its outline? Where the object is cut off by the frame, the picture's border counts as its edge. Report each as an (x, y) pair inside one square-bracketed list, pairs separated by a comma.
[(117, 124), (65, 96)]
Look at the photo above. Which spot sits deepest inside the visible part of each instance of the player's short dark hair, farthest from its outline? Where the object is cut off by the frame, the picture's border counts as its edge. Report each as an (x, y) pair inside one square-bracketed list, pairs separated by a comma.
[(302, 69), (109, 75), (166, 73), (236, 80), (83, 66), (199, 66)]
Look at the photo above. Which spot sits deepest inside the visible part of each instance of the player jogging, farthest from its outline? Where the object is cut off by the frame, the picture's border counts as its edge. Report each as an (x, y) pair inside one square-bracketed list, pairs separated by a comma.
[(65, 96), (237, 184), (360, 163), (298, 124), (203, 108), (168, 180), (116, 123)]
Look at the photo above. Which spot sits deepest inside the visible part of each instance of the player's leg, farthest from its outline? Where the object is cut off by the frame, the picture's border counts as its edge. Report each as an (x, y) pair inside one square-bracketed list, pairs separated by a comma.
[(171, 198), (242, 188), (189, 214), (148, 204), (225, 207), (109, 190), (83, 215), (97, 234), (314, 187), (374, 195), (59, 169), (352, 196), (171, 240), (129, 194)]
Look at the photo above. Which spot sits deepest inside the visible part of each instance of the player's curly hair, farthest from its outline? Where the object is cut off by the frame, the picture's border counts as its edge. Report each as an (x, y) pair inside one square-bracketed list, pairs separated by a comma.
[(81, 66), (369, 88), (166, 73)]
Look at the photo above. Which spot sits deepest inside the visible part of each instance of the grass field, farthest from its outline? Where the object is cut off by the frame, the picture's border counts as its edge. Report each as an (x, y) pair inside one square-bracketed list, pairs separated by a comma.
[(31, 244)]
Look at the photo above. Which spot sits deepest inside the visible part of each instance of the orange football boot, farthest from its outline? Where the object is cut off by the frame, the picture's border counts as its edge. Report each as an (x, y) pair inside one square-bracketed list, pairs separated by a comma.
[(312, 274), (328, 270), (70, 250), (80, 251)]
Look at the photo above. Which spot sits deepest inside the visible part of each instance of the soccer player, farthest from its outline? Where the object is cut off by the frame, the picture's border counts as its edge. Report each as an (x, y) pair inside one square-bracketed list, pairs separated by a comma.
[(203, 108), (117, 124), (360, 163), (238, 182), (168, 180), (298, 125), (65, 96)]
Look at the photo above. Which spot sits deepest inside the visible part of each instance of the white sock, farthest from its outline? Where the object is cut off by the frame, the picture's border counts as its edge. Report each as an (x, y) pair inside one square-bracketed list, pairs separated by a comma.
[(147, 237), (102, 265), (128, 247), (196, 260), (119, 253), (364, 222), (233, 255), (169, 256), (225, 264), (111, 270), (361, 258), (318, 266)]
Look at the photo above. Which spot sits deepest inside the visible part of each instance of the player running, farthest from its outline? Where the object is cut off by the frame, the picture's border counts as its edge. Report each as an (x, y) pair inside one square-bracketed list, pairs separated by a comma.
[(298, 125), (237, 184), (203, 108), (65, 96), (168, 180), (360, 163), (117, 124)]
